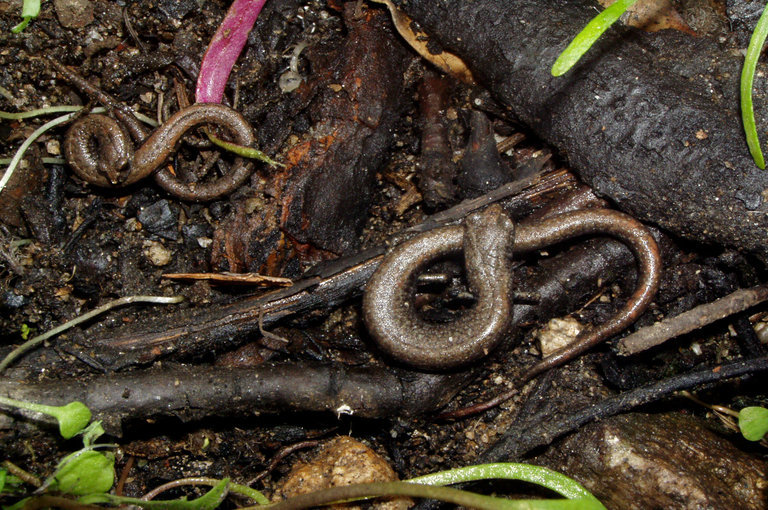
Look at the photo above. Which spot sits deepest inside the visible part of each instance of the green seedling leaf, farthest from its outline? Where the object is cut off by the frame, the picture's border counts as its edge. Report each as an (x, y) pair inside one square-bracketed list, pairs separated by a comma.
[(85, 472), (539, 475), (72, 417), (25, 331), (753, 423), (29, 10), (208, 501), (242, 151), (21, 26), (587, 37), (91, 433), (747, 77)]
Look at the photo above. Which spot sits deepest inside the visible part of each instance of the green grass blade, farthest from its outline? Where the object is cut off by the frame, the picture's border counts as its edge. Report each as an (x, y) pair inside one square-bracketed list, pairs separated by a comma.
[(542, 476), (587, 37), (747, 77)]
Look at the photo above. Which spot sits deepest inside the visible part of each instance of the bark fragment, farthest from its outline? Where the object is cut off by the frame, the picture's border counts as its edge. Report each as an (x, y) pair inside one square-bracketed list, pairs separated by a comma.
[(326, 198)]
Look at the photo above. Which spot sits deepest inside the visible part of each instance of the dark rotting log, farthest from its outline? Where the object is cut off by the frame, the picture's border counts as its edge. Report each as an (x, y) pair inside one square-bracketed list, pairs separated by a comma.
[(650, 120)]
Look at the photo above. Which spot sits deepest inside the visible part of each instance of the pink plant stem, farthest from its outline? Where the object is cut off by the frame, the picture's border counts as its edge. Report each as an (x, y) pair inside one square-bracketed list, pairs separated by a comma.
[(224, 49)]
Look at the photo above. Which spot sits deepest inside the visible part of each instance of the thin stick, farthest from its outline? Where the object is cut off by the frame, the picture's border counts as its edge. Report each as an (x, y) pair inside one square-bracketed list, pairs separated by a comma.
[(691, 320), (211, 482), (33, 342), (25, 476), (521, 440)]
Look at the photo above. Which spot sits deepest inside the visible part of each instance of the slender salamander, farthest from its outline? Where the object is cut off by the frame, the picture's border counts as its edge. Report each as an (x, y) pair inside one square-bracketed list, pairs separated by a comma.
[(487, 239), (101, 151), (400, 332)]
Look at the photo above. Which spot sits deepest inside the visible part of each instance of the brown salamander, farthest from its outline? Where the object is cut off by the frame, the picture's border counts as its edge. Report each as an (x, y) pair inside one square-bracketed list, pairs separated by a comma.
[(488, 239)]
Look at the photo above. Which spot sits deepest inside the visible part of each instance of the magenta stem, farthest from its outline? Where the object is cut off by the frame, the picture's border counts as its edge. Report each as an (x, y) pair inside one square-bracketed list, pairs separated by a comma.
[(224, 49)]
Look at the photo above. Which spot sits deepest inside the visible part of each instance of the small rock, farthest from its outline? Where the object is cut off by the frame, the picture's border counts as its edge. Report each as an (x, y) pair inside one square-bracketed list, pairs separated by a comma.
[(157, 254), (160, 218), (557, 333), (341, 461), (177, 9), (74, 13), (53, 147)]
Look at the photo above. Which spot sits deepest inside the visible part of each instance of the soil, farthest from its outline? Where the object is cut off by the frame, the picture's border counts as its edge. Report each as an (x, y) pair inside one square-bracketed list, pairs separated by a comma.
[(67, 247)]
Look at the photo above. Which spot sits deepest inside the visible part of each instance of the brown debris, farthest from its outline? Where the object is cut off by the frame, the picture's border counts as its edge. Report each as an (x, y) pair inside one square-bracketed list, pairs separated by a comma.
[(445, 61), (437, 169)]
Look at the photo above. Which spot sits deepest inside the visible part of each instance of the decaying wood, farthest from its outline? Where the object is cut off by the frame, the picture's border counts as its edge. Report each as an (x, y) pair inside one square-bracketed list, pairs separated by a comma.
[(353, 100), (660, 460), (193, 392), (649, 120), (330, 183)]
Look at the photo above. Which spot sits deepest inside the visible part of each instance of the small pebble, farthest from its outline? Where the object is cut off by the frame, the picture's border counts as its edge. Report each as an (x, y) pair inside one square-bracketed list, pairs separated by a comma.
[(157, 254), (341, 461), (53, 147), (74, 13), (557, 333)]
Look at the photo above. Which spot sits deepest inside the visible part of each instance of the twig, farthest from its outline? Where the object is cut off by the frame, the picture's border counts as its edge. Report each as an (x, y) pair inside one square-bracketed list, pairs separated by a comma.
[(190, 392), (283, 453), (691, 320), (124, 473), (25, 476), (132, 31), (236, 488), (33, 342)]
